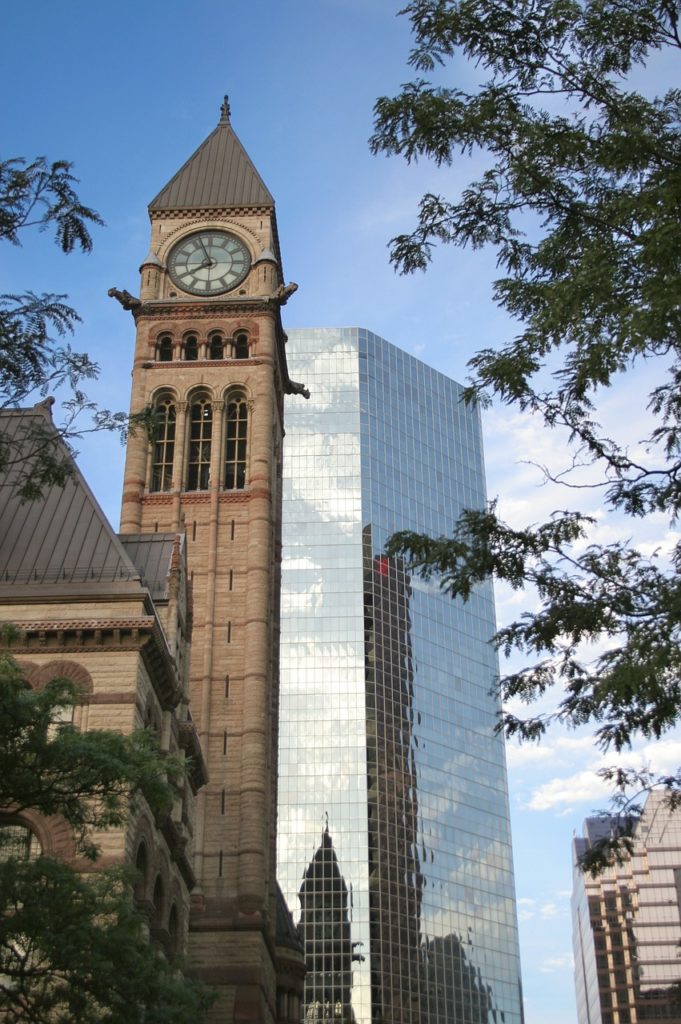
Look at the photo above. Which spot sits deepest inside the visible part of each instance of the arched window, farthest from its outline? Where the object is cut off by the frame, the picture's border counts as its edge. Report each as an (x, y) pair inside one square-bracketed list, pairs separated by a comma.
[(164, 446), (164, 349), (191, 348), (200, 434), (62, 718), (235, 448), (18, 842), (241, 346), (216, 346)]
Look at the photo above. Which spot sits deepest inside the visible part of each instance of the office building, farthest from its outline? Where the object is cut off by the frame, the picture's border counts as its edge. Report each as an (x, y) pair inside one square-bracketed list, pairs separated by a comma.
[(394, 847), (627, 922)]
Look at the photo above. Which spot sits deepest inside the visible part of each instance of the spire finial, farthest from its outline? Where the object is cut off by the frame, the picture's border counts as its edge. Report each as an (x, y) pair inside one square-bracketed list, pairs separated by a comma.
[(224, 109)]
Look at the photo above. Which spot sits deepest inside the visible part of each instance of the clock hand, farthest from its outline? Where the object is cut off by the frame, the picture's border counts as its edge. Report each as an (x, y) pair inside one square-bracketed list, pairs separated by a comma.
[(209, 261)]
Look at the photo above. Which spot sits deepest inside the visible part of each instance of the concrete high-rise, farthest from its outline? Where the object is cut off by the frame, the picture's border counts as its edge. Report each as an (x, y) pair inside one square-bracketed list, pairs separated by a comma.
[(394, 843), (627, 922)]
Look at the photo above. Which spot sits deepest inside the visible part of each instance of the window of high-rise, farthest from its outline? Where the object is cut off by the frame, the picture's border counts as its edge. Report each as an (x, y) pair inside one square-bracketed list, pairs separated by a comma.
[(393, 825)]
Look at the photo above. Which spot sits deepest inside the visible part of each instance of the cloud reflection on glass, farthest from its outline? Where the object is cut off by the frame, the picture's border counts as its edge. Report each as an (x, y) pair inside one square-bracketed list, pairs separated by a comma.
[(394, 842)]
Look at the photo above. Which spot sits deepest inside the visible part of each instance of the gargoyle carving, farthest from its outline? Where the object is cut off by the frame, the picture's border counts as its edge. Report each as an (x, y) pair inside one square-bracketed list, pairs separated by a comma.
[(283, 294), (298, 389), (126, 300)]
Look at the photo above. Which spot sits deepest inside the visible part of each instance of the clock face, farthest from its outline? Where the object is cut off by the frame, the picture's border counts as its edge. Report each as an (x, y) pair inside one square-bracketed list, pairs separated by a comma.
[(209, 262)]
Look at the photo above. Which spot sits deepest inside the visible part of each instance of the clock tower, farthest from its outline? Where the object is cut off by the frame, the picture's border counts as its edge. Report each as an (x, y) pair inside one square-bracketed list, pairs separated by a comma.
[(210, 363)]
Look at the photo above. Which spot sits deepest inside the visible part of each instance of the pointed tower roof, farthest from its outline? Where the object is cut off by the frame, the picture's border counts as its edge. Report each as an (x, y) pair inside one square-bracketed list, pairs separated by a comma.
[(219, 174), (323, 873)]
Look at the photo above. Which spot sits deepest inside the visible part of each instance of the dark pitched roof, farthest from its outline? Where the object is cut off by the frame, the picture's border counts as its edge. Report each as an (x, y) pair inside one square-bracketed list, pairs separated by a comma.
[(219, 174), (323, 873), (286, 932), (62, 537), (152, 553)]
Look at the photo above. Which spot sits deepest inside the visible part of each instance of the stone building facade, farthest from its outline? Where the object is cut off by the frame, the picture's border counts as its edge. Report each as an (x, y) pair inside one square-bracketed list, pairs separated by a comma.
[(114, 617), (197, 563), (210, 364)]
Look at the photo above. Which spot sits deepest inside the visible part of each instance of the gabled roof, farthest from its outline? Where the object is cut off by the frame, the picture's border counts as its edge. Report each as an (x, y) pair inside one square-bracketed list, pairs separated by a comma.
[(323, 873), (152, 553), (286, 932), (62, 537), (219, 174)]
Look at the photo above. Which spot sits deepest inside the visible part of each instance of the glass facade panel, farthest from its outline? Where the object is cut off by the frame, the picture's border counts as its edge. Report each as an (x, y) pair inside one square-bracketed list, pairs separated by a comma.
[(394, 840)]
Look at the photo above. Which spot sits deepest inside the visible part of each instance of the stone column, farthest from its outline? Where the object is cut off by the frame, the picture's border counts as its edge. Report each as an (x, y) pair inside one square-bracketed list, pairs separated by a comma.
[(179, 460), (255, 757)]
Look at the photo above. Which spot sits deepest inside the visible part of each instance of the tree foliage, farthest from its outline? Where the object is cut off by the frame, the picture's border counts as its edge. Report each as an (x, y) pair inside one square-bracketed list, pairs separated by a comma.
[(73, 947), (73, 951), (86, 777), (580, 198), (35, 356)]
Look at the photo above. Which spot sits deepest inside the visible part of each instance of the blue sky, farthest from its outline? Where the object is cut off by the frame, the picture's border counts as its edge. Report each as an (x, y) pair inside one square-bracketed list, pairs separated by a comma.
[(127, 93)]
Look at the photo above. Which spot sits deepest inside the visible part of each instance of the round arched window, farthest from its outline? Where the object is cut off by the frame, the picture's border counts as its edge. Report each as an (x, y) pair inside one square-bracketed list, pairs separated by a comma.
[(165, 349), (18, 842), (164, 445), (191, 348), (236, 443), (241, 347), (216, 346), (200, 436)]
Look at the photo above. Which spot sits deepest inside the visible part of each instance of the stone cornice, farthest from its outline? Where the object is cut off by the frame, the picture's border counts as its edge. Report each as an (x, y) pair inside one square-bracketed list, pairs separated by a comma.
[(188, 740), (212, 364), (185, 309), (176, 839), (165, 498), (234, 497), (141, 633), (197, 497), (137, 622), (219, 213)]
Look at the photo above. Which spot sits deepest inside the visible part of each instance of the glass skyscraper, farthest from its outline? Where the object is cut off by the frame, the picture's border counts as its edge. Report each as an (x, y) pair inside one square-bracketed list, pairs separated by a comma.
[(394, 842)]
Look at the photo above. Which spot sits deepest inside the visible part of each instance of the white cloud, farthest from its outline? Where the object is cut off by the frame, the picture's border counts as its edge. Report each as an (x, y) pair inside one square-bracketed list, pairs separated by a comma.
[(558, 747), (557, 963), (526, 908), (566, 792), (579, 783), (528, 753), (662, 756), (574, 744)]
